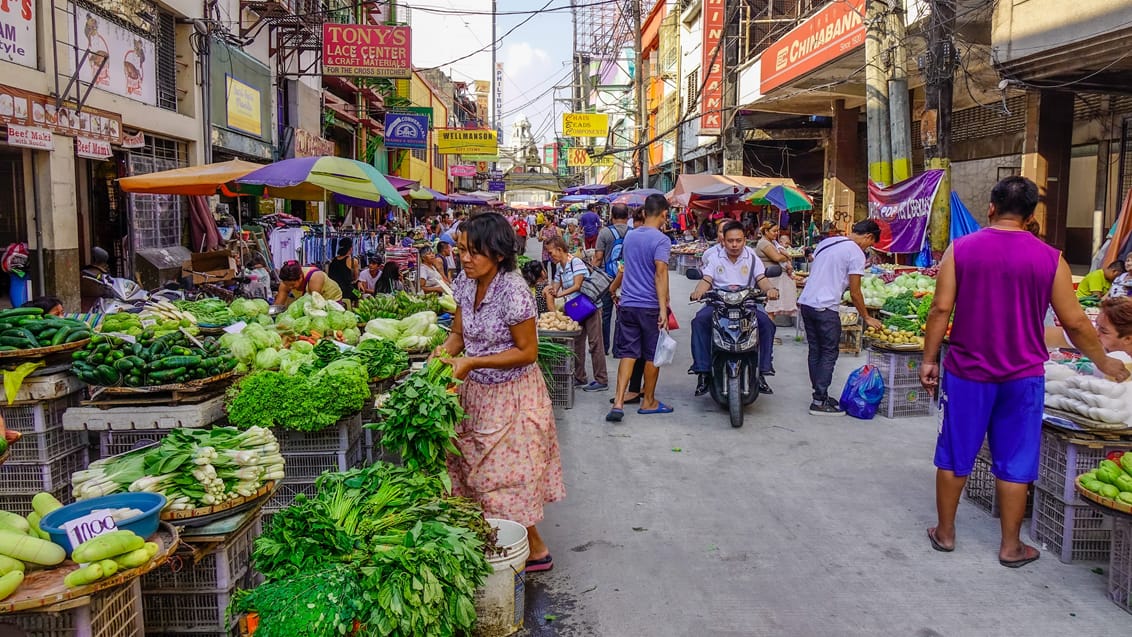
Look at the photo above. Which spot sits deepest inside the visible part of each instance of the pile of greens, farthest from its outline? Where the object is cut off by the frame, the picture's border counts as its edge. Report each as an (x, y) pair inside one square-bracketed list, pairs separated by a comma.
[(402, 305), (312, 315), (415, 333), (209, 312), (376, 551), (551, 355), (382, 358), (311, 400), (418, 419), (905, 304)]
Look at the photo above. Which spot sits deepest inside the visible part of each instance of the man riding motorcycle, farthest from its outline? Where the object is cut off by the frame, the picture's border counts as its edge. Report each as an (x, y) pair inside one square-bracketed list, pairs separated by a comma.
[(731, 264)]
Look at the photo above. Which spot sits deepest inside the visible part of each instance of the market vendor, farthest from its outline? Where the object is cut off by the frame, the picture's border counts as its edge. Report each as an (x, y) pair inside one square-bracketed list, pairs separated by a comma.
[(509, 460), (1097, 282), (295, 281), (1114, 324), (49, 304)]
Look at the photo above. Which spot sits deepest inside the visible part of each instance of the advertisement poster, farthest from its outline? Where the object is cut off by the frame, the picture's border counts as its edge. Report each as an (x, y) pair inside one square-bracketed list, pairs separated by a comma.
[(465, 141), (462, 170), (403, 130), (827, 35), (361, 50), (243, 103), (31, 109), (903, 210), (585, 124), (130, 68), (17, 32)]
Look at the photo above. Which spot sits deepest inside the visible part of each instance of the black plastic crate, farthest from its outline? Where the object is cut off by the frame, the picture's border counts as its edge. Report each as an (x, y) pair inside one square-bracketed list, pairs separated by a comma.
[(1066, 456), (195, 613), (20, 479), (1074, 532), (222, 568), (1120, 564), (47, 446), (21, 503), (307, 467), (37, 417), (112, 443), (338, 437)]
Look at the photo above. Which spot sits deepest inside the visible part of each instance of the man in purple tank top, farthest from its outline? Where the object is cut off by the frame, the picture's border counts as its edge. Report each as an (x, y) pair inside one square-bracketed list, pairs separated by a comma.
[(999, 281)]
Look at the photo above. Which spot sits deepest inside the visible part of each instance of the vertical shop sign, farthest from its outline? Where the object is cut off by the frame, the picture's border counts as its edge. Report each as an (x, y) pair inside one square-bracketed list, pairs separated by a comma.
[(243, 106), (130, 68), (17, 32), (497, 114), (711, 100)]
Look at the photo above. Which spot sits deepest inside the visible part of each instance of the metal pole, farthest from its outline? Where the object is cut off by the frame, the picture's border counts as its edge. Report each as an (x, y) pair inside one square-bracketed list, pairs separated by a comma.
[(494, 84), (937, 114), (639, 82), (876, 94), (900, 123)]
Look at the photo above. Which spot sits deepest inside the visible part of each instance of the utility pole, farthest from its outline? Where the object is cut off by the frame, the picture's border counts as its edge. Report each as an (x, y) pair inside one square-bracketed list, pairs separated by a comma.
[(876, 93), (494, 74), (900, 122), (639, 83), (936, 124)]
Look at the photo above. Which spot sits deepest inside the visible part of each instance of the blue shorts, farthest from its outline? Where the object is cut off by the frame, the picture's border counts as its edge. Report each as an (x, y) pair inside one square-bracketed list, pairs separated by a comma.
[(1008, 415)]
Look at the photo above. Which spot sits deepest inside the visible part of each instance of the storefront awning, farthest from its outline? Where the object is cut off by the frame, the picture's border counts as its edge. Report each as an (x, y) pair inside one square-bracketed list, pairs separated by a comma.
[(194, 180)]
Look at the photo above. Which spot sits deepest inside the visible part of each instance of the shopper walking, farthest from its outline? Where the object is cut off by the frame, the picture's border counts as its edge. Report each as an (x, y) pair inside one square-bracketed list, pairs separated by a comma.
[(839, 263), (572, 272), (591, 224), (607, 256), (643, 311), (993, 380), (771, 252), (509, 458)]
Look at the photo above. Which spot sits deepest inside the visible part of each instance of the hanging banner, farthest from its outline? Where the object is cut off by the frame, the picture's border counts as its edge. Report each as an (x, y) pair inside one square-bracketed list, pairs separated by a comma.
[(585, 124), (17, 32), (130, 68), (903, 210), (827, 35), (580, 157), (406, 131), (243, 106), (362, 50), (136, 140), (711, 68), (462, 170), (93, 148), (466, 141), (31, 109)]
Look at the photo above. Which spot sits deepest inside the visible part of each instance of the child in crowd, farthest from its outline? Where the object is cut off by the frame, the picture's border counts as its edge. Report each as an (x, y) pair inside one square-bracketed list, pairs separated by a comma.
[(535, 275)]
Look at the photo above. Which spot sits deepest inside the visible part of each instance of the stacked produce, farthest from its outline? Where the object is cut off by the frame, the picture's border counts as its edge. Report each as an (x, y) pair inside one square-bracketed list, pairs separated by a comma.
[(376, 551), (1090, 396), (403, 304), (557, 322), (149, 360), (415, 333), (251, 310), (207, 312), (29, 328), (1111, 478), (164, 311), (107, 554), (876, 291), (190, 467), (418, 419), (312, 315)]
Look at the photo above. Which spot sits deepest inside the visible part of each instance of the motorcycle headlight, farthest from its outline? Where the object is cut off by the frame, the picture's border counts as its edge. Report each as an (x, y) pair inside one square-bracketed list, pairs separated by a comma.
[(733, 298)]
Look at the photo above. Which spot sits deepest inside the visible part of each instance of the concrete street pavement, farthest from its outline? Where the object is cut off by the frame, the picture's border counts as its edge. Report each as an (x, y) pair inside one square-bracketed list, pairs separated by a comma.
[(678, 525)]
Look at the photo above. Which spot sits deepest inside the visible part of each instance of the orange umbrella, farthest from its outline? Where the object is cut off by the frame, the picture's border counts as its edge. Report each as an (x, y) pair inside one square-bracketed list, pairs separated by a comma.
[(194, 180)]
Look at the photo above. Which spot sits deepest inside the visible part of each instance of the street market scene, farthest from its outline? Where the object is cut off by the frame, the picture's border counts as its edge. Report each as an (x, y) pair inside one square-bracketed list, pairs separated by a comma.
[(586, 318)]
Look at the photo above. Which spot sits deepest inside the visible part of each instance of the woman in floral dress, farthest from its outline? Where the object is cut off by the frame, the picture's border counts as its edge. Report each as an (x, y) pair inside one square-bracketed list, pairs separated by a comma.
[(509, 460)]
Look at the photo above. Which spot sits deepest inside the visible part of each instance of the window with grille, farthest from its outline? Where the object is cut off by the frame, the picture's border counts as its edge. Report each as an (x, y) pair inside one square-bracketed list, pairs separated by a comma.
[(693, 90), (166, 62), (420, 154), (156, 221), (666, 114), (437, 158)]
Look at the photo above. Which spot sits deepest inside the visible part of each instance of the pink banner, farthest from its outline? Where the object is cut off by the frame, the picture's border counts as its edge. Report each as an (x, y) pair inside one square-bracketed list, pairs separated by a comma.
[(903, 210)]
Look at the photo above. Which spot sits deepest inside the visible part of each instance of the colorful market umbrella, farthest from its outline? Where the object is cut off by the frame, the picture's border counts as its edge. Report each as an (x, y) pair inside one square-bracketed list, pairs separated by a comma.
[(588, 189), (632, 198), (781, 197), (193, 180), (314, 178)]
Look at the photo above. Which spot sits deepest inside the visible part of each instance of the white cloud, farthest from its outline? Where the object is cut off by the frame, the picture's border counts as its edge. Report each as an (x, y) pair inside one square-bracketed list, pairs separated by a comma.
[(521, 56)]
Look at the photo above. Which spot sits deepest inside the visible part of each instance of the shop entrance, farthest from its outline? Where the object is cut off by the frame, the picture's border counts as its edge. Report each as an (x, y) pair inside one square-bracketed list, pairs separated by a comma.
[(13, 208)]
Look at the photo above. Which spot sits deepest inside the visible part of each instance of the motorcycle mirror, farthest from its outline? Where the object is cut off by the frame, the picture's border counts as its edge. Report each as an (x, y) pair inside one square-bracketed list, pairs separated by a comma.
[(774, 271), (693, 274)]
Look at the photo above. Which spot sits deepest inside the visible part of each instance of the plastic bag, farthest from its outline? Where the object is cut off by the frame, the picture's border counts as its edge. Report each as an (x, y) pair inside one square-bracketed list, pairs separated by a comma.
[(665, 349), (863, 392)]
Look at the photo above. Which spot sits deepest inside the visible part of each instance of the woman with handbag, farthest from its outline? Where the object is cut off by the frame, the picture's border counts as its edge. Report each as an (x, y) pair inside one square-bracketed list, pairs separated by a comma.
[(572, 273)]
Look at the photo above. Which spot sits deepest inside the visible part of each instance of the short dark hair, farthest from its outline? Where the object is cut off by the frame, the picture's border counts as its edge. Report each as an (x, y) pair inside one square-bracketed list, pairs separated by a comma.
[(291, 271), (345, 244), (655, 205), (730, 225), (1015, 195), (489, 233), (619, 211), (867, 226), (1116, 265), (532, 270), (45, 303)]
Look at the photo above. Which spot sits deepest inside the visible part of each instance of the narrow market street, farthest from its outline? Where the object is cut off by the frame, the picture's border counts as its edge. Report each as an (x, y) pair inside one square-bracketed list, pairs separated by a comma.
[(678, 525)]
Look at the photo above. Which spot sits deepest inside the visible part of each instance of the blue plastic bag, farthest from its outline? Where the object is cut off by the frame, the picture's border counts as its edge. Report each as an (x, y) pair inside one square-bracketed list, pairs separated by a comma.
[(863, 392)]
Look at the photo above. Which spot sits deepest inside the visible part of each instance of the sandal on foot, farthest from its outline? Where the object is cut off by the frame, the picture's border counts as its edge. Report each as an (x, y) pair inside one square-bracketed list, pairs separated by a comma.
[(1030, 557), (635, 400), (615, 415), (661, 408), (544, 564), (937, 546)]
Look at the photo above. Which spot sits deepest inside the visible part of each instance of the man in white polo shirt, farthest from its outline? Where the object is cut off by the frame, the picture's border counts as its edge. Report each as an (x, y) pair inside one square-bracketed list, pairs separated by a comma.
[(733, 264), (839, 262)]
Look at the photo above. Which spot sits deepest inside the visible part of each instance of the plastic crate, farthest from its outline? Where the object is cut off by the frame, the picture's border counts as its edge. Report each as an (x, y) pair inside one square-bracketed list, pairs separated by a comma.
[(21, 479), (285, 495), (21, 504), (116, 612), (220, 569), (193, 613), (48, 446), (980, 488), (373, 450), (112, 443), (561, 390), (307, 467), (1074, 532), (38, 417), (1063, 457), (339, 437), (906, 401), (899, 369), (1120, 565)]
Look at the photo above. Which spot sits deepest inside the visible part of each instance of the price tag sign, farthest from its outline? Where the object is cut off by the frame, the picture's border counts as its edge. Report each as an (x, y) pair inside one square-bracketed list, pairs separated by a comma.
[(89, 526), (126, 337), (236, 327)]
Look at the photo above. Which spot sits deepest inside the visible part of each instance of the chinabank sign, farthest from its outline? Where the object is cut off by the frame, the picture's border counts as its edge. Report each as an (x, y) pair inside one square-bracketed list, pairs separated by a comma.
[(404, 130)]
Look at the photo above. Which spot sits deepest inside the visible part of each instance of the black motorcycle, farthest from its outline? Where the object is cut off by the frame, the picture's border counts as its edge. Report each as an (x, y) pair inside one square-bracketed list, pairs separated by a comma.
[(734, 344)]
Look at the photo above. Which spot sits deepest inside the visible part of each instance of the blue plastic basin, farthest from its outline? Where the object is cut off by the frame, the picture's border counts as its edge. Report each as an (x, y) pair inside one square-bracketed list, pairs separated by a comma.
[(144, 525)]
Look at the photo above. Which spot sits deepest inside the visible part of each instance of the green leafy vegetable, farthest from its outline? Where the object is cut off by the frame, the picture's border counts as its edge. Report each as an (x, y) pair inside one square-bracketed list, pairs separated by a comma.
[(418, 419)]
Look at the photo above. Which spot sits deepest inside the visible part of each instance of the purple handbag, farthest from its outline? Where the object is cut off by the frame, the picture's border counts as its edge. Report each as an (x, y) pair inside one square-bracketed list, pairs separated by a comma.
[(579, 308)]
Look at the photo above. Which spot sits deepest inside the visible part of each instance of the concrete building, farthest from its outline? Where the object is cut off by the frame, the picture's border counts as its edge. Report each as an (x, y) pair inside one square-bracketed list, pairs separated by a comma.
[(660, 45)]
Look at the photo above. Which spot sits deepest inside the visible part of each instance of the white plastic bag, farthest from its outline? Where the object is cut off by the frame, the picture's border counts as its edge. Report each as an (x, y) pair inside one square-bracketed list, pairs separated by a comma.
[(665, 349)]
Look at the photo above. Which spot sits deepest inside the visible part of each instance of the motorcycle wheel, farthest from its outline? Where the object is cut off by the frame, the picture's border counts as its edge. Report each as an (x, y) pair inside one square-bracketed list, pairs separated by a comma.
[(734, 401)]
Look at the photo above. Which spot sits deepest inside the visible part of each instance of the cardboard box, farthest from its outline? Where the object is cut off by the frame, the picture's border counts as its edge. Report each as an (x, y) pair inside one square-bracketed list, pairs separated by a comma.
[(210, 267)]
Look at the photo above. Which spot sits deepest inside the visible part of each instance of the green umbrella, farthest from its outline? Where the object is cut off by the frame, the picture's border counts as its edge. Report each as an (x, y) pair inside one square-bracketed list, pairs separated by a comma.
[(314, 178), (781, 197)]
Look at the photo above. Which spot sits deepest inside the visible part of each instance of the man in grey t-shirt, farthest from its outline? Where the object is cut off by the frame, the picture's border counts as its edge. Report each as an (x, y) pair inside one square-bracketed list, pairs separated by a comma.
[(605, 254)]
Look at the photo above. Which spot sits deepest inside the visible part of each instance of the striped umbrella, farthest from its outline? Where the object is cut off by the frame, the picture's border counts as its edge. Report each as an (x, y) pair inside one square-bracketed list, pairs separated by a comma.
[(314, 178), (781, 197)]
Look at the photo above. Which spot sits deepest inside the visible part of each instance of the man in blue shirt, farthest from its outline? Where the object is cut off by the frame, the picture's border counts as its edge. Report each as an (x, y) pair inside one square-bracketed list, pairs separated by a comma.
[(591, 225)]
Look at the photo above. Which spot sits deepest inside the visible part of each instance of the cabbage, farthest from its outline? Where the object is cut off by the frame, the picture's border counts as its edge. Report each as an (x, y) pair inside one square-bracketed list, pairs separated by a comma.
[(432, 330), (370, 337), (263, 320), (261, 337), (447, 303), (260, 307), (320, 324), (389, 329), (299, 306), (342, 320), (302, 347), (302, 325), (318, 301), (242, 348), (411, 343), (314, 312), (335, 306), (238, 308), (267, 359), (286, 322), (227, 339), (290, 361), (351, 335), (417, 324)]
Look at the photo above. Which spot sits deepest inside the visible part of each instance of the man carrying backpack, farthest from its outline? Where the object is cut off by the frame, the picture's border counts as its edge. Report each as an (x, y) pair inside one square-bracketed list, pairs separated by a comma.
[(607, 256)]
